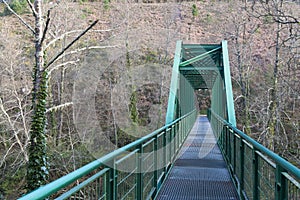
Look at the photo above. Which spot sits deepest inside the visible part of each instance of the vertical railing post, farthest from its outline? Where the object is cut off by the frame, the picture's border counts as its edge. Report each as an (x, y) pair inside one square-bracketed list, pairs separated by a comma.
[(176, 130), (220, 138), (110, 184), (255, 175), (228, 145), (281, 192), (165, 151), (242, 162), (169, 142), (180, 125), (155, 171), (224, 144), (113, 181), (234, 153), (140, 173), (175, 139)]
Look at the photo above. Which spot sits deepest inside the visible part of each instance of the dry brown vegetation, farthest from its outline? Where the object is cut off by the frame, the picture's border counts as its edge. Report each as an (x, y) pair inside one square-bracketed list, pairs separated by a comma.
[(86, 81)]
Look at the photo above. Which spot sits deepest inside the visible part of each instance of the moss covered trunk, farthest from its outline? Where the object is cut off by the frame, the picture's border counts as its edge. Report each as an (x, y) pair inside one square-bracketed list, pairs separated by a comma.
[(37, 172)]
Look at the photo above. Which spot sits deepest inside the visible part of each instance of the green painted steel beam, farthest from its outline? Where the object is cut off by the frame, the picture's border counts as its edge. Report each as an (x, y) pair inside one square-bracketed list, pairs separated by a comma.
[(196, 52), (195, 76), (199, 57), (174, 84), (197, 46), (228, 85), (200, 68)]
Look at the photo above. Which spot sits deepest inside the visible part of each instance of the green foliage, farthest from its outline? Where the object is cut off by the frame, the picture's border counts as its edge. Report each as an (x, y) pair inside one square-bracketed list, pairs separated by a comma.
[(195, 11), (209, 18), (123, 138), (19, 6), (37, 173), (151, 56), (106, 4), (9, 178), (268, 19), (128, 62), (86, 12), (133, 108), (83, 1)]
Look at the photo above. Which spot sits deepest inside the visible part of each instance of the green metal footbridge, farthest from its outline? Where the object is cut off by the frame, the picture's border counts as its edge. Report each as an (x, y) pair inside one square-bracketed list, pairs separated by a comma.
[(193, 156)]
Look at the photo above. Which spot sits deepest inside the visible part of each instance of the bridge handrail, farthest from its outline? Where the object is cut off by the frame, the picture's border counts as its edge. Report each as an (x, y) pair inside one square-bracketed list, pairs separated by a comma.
[(278, 159), (55, 186), (284, 171)]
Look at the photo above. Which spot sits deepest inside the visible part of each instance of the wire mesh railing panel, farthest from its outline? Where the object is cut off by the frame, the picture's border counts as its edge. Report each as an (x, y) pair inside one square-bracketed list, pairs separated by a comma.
[(148, 168), (266, 177), (94, 187), (161, 160), (293, 187), (130, 172), (259, 173), (232, 149), (248, 171), (94, 190), (173, 141), (168, 148), (126, 183), (237, 157)]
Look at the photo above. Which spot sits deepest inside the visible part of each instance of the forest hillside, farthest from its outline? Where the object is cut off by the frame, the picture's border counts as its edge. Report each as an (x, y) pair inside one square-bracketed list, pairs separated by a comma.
[(115, 79)]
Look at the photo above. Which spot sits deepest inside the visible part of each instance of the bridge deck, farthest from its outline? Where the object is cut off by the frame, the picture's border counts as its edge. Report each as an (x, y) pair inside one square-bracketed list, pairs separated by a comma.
[(199, 171)]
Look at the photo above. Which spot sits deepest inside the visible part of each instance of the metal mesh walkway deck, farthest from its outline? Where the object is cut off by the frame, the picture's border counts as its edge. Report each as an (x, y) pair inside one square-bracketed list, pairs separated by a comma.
[(199, 171)]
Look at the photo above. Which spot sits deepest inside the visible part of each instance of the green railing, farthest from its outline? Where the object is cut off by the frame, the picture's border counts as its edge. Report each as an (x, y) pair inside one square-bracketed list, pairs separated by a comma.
[(258, 173), (135, 171)]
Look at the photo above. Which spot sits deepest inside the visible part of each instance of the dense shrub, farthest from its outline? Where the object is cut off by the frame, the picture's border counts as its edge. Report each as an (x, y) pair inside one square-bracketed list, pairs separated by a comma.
[(19, 6)]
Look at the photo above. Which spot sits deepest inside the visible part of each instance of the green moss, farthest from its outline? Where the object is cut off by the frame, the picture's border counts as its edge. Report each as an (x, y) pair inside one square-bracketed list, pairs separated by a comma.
[(37, 173), (195, 11)]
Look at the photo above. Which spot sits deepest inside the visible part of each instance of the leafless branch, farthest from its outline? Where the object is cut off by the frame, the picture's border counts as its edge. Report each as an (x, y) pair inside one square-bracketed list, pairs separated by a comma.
[(31, 8), (6, 154), (69, 45), (19, 17), (63, 64), (54, 108), (11, 123), (71, 32), (86, 48), (46, 27)]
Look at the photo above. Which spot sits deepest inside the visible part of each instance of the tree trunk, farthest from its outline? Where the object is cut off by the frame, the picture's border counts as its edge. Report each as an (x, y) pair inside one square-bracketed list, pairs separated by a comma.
[(274, 103), (37, 172)]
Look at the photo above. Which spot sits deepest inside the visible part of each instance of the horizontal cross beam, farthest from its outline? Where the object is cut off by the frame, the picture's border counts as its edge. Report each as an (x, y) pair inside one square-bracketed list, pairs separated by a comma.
[(200, 68), (199, 57)]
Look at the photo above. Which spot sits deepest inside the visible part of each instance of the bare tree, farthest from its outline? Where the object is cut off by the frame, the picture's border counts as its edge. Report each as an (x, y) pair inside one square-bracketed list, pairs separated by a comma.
[(276, 13), (37, 173), (14, 106)]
